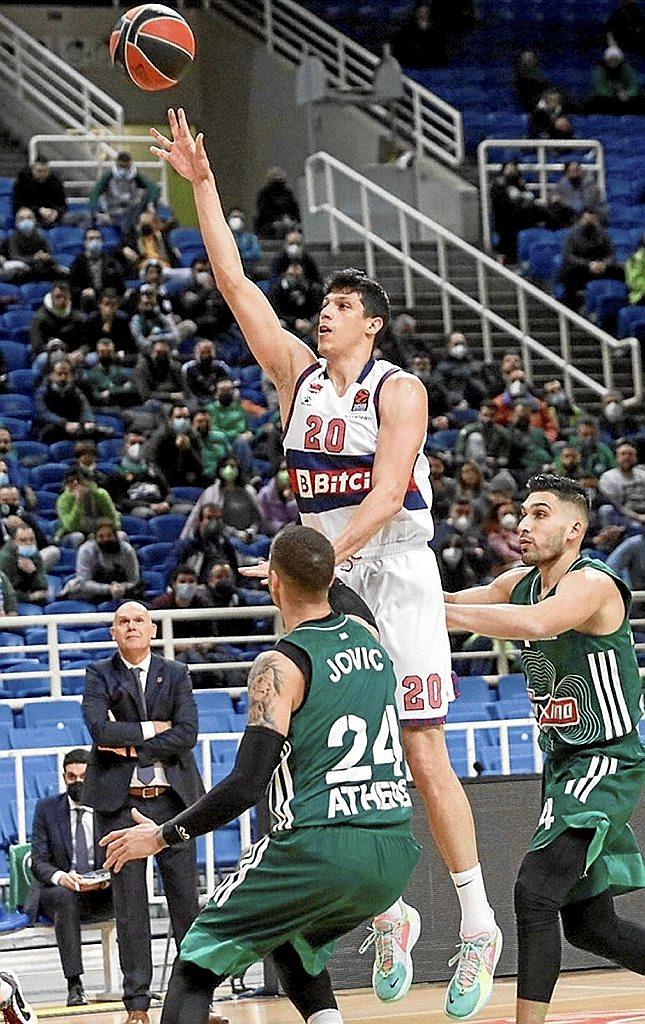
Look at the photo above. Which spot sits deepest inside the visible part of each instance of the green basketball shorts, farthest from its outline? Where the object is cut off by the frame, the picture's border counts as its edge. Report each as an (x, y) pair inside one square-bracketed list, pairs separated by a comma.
[(307, 887), (597, 789)]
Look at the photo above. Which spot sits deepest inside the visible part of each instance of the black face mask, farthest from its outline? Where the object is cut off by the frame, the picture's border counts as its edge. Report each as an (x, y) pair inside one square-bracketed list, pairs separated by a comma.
[(75, 791), (110, 547), (205, 362), (226, 399), (9, 510), (223, 590), (106, 360), (163, 362), (212, 529)]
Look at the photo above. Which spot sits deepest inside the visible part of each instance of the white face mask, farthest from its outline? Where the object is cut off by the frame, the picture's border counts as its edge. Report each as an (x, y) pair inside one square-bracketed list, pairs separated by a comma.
[(294, 249), (509, 521), (458, 351), (236, 223), (134, 451), (515, 388), (452, 556), (462, 523), (613, 411)]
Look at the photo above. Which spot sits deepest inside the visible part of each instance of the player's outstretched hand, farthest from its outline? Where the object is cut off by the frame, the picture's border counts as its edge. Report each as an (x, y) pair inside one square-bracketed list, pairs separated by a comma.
[(135, 843), (186, 154), (256, 572)]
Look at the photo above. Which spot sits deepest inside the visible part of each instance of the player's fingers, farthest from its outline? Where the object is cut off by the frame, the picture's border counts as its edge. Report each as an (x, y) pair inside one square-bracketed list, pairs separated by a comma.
[(172, 121), (164, 142), (162, 153), (199, 142), (183, 123)]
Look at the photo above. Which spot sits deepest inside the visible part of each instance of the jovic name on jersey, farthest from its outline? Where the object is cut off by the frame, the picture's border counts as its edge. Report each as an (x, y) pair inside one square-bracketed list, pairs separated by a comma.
[(585, 689), (342, 762), (330, 443)]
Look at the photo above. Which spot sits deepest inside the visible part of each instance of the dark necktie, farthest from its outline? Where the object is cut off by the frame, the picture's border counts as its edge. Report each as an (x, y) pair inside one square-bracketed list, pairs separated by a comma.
[(144, 775), (80, 839)]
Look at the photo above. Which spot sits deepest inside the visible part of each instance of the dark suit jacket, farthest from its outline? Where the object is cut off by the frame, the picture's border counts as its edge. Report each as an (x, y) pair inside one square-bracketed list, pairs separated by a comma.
[(51, 845), (110, 686)]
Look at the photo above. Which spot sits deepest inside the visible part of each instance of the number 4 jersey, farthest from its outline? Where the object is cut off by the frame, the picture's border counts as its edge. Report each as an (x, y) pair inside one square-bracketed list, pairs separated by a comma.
[(330, 444), (342, 762)]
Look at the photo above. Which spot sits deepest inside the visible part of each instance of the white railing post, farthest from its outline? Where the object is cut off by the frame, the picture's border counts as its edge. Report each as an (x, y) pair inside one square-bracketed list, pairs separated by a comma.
[(370, 263), (167, 635), (268, 24), (565, 351), (442, 266), (417, 122), (330, 193), (54, 660), (484, 198), (482, 294), (404, 236), (504, 752), (471, 754), (20, 797), (207, 775), (342, 62)]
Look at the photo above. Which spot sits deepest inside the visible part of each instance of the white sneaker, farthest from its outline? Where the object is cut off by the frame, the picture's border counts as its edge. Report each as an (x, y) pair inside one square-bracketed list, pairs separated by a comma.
[(16, 1009)]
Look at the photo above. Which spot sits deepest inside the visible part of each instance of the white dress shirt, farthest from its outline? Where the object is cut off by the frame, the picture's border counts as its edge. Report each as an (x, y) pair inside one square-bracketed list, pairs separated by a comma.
[(147, 728), (88, 826)]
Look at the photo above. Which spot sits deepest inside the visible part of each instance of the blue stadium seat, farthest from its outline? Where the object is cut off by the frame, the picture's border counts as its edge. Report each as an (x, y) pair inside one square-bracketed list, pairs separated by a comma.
[(46, 736), (473, 688), (6, 715), (113, 422), (512, 687), (467, 711), (110, 450), (511, 709), (24, 608), (181, 238), (47, 503), (52, 713), (16, 356), (227, 847), (152, 556), (62, 451), (137, 525), (22, 380), (19, 316), (71, 607), (21, 406), (154, 581), (34, 292), (167, 528), (51, 473), (214, 721), (186, 493), (631, 322), (41, 776), (213, 700)]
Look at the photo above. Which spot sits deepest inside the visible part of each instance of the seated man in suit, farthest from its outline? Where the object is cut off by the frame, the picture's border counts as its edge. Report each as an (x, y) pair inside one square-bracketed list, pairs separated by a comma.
[(64, 847)]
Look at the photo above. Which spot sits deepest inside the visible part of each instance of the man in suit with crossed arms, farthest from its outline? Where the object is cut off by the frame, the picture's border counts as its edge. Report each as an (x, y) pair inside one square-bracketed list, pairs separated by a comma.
[(141, 713)]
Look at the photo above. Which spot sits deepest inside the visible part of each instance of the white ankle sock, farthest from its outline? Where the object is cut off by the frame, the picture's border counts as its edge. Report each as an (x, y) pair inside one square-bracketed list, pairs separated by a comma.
[(476, 912), (325, 1017)]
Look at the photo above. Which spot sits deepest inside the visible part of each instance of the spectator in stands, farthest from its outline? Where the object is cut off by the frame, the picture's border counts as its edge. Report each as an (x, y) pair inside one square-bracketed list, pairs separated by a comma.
[(13, 515), (277, 210), (471, 486), (529, 80), (157, 375), (568, 462), (628, 560), (209, 545), (614, 85), (294, 252), (462, 519), (21, 562), (174, 450), (202, 303), (247, 242), (635, 274), (235, 498), (459, 373), (212, 446), (202, 374), (625, 27), (421, 40), (421, 366), (529, 447), (514, 208), (62, 410), (80, 507), (624, 485), (108, 321), (93, 271), (121, 193), (588, 256), (29, 253), (185, 592), (86, 458), (9, 455), (57, 319), (107, 382), (597, 457), (444, 487), (549, 119), (576, 191), (518, 390), (229, 419), (64, 847), (146, 244), (484, 441), (461, 563), (295, 299), (40, 189), (221, 591), (277, 502), (503, 540), (615, 421), (8, 602), (149, 324), (107, 568), (137, 487), (565, 413)]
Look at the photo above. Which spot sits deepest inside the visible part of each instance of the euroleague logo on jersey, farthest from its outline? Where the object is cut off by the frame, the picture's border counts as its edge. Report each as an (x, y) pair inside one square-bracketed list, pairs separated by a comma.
[(361, 398)]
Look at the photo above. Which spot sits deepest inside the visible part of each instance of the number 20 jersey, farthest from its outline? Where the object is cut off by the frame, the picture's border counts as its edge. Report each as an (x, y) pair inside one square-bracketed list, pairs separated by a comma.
[(330, 444)]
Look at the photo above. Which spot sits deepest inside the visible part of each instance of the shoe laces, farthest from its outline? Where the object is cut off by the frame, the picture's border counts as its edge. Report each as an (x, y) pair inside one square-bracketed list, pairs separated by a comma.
[(468, 960), (383, 938)]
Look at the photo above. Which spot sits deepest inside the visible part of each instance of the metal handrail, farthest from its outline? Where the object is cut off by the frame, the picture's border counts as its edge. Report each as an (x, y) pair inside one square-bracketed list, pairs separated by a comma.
[(42, 79), (107, 148), (431, 125), (543, 167), (412, 224)]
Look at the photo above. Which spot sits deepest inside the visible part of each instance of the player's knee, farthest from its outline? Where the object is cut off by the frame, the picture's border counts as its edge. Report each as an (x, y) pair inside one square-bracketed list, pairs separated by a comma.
[(533, 905), (587, 931)]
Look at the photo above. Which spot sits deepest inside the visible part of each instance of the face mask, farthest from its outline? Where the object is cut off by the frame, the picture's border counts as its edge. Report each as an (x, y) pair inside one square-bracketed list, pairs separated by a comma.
[(133, 451), (228, 473), (185, 591), (4, 479), (27, 550), (558, 399), (61, 386), (282, 478), (509, 521), (124, 173), (9, 510), (162, 361), (613, 411), (181, 425), (94, 247), (202, 278), (206, 362), (223, 590), (211, 529), (25, 225), (110, 547), (236, 223), (106, 360), (226, 399), (458, 351), (75, 791), (515, 388), (452, 556), (462, 523), (294, 250)]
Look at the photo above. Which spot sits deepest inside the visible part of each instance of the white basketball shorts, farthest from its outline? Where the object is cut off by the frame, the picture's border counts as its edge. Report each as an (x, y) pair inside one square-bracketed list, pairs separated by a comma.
[(404, 592)]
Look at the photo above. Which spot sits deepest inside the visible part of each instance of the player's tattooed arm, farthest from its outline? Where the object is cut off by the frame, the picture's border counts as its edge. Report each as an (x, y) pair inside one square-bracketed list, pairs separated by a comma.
[(276, 688)]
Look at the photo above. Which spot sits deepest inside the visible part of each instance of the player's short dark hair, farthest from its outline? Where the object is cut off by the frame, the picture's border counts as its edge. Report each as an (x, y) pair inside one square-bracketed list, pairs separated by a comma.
[(372, 295), (77, 756), (566, 489), (305, 557)]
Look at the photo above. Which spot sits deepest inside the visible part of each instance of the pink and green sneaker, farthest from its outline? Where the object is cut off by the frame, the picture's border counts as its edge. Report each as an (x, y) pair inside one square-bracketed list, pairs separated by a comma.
[(393, 939), (472, 983)]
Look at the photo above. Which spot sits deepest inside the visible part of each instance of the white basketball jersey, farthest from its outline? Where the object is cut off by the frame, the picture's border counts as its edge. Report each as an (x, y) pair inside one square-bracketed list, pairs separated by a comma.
[(330, 443)]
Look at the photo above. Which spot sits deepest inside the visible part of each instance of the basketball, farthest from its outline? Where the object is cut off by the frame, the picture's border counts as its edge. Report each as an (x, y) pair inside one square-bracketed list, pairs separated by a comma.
[(153, 46)]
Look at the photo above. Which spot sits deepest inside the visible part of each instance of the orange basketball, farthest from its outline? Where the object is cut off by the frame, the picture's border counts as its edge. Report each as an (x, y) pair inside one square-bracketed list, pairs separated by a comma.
[(153, 46)]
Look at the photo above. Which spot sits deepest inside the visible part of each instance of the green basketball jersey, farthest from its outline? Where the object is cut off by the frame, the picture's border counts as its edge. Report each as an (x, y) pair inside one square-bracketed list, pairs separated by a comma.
[(585, 689), (342, 762)]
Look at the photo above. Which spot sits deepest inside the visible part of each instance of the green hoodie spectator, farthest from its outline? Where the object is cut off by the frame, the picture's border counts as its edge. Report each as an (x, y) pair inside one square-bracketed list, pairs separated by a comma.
[(227, 415), (81, 505), (635, 274)]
